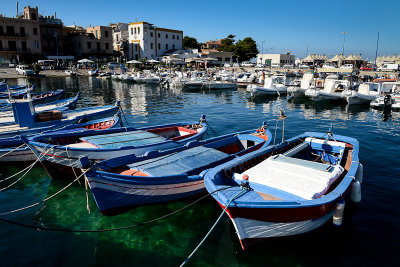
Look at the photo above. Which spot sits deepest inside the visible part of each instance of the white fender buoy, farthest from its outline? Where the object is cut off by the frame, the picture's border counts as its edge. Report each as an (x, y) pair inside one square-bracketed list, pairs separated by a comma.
[(338, 213), (355, 191), (360, 173)]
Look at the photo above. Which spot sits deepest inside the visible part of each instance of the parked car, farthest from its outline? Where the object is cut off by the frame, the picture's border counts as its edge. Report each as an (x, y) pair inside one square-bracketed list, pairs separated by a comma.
[(11, 65), (275, 66), (304, 66), (347, 66), (288, 66), (247, 64), (24, 70), (367, 68)]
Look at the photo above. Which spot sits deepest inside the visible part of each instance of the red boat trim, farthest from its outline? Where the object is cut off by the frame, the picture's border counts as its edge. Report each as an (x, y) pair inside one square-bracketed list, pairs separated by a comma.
[(144, 188)]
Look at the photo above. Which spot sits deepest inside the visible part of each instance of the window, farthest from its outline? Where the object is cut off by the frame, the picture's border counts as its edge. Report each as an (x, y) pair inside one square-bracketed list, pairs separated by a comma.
[(173, 46), (1, 45), (79, 45), (166, 46), (177, 37), (166, 36), (219, 58), (1, 30), (23, 44), (151, 45), (136, 47), (227, 59), (12, 46), (117, 37), (173, 36), (97, 34), (98, 47), (159, 35), (106, 34), (131, 30), (138, 30), (159, 46), (22, 31), (107, 46), (35, 31), (89, 45), (34, 16), (36, 44), (151, 34), (135, 30), (10, 31)]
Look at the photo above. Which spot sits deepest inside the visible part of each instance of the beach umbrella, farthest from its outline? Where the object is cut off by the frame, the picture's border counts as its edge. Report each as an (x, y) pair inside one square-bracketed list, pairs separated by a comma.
[(153, 61), (85, 61), (133, 62)]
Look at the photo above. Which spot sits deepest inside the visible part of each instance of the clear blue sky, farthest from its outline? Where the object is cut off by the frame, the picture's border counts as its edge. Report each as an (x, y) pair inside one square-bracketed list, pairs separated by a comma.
[(284, 25)]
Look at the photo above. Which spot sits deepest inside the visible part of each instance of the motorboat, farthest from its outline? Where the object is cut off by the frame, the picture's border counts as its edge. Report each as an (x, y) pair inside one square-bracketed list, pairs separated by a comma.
[(301, 87), (390, 96), (332, 91), (272, 86), (288, 189), (365, 94)]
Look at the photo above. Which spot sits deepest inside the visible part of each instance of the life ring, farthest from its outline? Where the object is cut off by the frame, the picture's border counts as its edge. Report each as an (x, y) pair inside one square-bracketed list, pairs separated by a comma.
[(319, 84)]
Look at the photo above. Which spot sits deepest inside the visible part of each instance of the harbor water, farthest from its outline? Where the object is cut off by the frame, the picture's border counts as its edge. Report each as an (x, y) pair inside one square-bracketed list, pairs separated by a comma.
[(370, 234)]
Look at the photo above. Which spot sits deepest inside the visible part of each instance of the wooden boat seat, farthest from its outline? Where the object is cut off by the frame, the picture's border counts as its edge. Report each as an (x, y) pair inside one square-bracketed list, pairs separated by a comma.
[(116, 140), (187, 161)]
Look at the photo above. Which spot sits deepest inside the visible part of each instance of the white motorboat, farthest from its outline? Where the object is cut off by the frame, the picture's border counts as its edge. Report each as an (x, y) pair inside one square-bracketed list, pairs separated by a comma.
[(390, 96), (298, 90), (366, 93), (272, 86), (332, 91)]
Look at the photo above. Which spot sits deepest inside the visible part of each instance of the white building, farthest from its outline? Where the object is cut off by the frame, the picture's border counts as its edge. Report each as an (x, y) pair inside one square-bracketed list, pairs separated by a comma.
[(280, 59), (148, 41)]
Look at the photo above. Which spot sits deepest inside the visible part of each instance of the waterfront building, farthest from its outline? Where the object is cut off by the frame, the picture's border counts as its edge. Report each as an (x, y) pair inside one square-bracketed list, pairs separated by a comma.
[(212, 44), (90, 42), (280, 59), (20, 37), (151, 42), (220, 57), (120, 38)]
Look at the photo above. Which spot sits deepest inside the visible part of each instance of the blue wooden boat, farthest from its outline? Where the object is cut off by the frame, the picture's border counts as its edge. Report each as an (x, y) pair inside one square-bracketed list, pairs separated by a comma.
[(288, 189), (37, 98), (7, 115), (10, 153), (64, 149), (28, 122), (121, 183)]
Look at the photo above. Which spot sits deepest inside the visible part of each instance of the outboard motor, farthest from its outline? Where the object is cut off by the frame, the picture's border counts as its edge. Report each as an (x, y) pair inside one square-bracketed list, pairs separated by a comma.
[(387, 101)]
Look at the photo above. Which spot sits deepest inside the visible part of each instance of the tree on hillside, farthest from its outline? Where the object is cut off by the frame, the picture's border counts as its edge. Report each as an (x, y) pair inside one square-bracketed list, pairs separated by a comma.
[(228, 44), (245, 49), (190, 42)]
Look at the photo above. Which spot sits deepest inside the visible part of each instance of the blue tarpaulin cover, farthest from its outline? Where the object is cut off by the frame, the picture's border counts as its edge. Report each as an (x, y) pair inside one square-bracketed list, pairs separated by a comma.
[(182, 162), (121, 139)]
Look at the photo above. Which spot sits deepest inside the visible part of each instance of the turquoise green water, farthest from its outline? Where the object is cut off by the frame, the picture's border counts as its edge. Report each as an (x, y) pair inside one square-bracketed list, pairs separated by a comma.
[(370, 234)]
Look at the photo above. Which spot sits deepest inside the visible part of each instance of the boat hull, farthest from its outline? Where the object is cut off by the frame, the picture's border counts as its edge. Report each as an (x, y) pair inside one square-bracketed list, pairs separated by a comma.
[(112, 197), (251, 232)]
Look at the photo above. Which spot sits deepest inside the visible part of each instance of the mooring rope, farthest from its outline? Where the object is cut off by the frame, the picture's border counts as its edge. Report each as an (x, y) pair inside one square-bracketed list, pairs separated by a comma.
[(44, 200), (44, 228), (244, 189), (9, 152), (27, 168)]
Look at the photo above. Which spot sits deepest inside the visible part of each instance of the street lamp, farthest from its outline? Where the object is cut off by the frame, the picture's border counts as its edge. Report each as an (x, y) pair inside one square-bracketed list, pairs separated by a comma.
[(262, 52), (344, 40)]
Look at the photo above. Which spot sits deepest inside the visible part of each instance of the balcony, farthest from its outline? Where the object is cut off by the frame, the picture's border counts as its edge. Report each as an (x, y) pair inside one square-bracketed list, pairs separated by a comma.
[(13, 36), (4, 49)]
